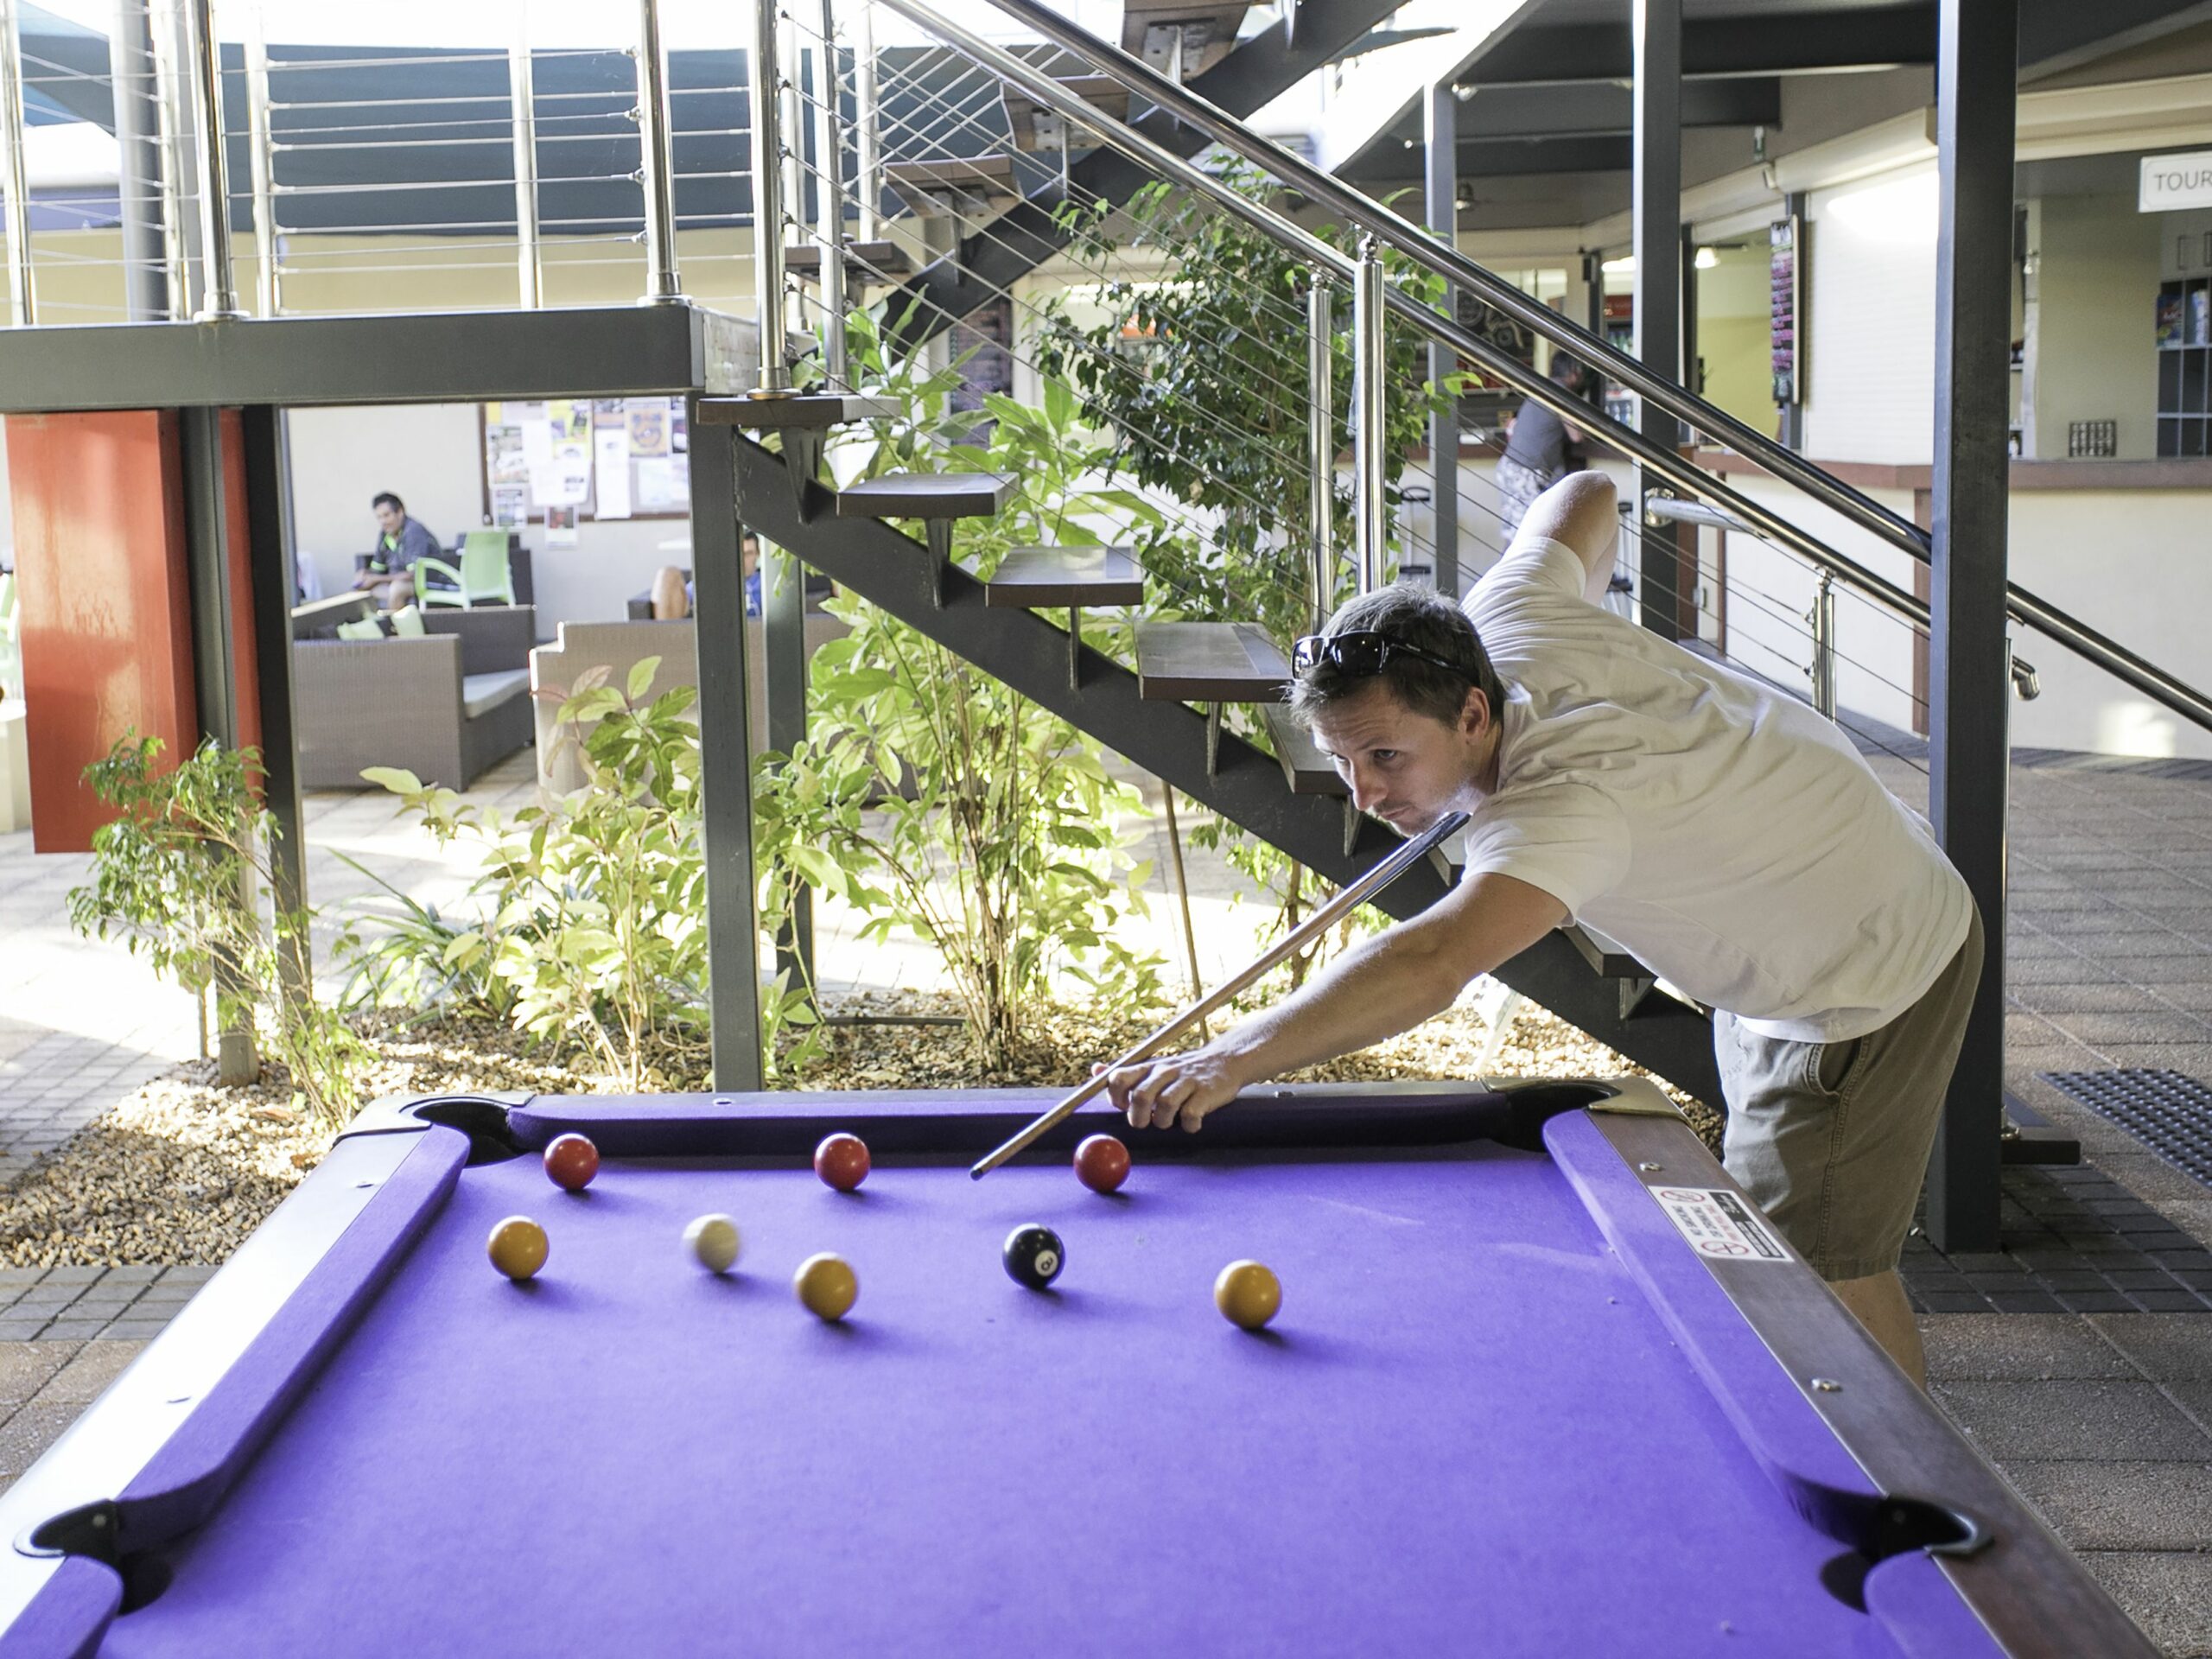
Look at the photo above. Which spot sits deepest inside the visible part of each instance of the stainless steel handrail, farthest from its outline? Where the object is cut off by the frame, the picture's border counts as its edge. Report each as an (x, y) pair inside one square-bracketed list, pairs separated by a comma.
[(2115, 659), (1455, 267)]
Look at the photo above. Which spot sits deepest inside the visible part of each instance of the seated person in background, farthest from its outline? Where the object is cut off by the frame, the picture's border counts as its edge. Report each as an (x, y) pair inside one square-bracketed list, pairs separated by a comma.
[(671, 594), (389, 569), (1540, 449)]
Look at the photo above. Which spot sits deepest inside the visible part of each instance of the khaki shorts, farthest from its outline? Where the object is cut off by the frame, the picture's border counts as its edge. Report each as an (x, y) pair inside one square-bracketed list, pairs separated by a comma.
[(1832, 1139)]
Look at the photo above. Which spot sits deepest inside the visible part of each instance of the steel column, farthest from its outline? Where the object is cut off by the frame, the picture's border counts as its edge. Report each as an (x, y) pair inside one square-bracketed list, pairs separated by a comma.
[(1321, 445), (724, 762), (1657, 210), (1370, 371), (22, 301), (522, 102), (657, 163), (139, 179), (173, 132), (219, 296), (783, 607), (829, 198), (1442, 127), (1969, 765), (765, 112), (270, 563), (269, 288)]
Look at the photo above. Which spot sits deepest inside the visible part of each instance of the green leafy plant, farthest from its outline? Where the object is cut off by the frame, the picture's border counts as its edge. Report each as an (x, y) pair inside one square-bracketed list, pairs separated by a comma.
[(939, 800), (1199, 373), (175, 875), (590, 911)]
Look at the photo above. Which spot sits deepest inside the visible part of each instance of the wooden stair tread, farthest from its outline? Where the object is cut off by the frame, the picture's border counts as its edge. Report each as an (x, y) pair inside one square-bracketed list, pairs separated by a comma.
[(1304, 768), (1212, 30), (1610, 960), (1209, 662), (1036, 578), (927, 495), (1035, 127), (978, 180), (811, 410), (880, 261)]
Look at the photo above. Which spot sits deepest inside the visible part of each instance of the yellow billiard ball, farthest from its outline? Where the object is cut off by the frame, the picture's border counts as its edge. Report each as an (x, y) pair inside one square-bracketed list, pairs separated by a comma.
[(827, 1284), (1248, 1295), (714, 1240), (518, 1247)]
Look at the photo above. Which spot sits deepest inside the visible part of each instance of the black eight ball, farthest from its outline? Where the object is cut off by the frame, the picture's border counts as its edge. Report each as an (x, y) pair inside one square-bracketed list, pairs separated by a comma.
[(1034, 1256)]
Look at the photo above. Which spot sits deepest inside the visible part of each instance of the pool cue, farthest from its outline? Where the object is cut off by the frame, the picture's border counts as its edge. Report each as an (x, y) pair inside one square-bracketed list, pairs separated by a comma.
[(1389, 870)]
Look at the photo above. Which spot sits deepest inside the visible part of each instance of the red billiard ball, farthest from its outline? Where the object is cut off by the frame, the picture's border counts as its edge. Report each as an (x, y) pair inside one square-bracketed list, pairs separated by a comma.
[(842, 1161), (1101, 1163), (571, 1161)]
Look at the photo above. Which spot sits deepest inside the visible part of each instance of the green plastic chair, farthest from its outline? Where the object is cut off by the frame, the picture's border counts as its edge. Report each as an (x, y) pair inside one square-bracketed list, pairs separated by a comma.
[(484, 573), (367, 628), (407, 623)]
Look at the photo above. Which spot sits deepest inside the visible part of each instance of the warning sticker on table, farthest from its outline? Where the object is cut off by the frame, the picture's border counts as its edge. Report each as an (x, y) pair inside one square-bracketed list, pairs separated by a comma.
[(1718, 1222)]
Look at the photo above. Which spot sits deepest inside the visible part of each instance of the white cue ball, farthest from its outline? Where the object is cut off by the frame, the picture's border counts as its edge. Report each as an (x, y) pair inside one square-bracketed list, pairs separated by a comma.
[(714, 1240)]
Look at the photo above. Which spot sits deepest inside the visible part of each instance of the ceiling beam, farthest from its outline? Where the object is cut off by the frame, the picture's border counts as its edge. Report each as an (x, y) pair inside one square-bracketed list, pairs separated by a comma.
[(1792, 43), (1495, 158), (1600, 107), (2054, 38)]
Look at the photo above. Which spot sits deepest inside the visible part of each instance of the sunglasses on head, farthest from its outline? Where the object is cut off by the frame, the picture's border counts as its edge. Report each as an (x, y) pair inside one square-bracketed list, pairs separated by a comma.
[(1361, 652)]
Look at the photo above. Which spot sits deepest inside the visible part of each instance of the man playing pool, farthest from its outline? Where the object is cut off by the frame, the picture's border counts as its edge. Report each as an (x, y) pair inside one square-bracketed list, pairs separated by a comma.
[(1727, 835)]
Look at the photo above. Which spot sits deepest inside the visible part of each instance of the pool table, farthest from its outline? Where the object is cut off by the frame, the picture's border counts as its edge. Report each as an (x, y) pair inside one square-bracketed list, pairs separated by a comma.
[(1542, 1383)]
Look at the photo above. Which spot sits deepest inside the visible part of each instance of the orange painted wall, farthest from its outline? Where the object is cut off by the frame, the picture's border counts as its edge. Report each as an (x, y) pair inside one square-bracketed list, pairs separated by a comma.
[(104, 600)]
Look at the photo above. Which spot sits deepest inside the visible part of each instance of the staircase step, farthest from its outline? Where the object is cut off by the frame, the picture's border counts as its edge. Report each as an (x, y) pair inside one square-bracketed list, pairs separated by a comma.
[(813, 411), (1210, 31), (1611, 961), (1040, 578), (1209, 662), (1035, 127), (873, 261), (927, 495), (1305, 768), (952, 184)]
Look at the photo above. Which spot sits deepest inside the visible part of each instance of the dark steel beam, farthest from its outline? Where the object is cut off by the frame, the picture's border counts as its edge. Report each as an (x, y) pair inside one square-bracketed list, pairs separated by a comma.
[(1969, 754), (783, 605), (207, 572), (1499, 158), (1793, 42), (1441, 197), (457, 357), (138, 163), (268, 553), (725, 764), (2058, 37), (1657, 211), (1257, 71), (1169, 740)]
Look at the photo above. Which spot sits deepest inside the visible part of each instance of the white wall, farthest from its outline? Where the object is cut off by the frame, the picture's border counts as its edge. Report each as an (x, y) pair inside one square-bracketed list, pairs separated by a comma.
[(2095, 349), (431, 456), (1870, 372)]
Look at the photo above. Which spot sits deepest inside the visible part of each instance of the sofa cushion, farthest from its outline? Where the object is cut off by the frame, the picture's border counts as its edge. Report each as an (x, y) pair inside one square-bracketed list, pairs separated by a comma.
[(482, 693)]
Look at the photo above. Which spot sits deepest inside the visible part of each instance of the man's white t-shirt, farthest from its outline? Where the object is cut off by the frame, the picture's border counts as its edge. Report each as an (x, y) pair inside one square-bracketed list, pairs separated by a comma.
[(1724, 833)]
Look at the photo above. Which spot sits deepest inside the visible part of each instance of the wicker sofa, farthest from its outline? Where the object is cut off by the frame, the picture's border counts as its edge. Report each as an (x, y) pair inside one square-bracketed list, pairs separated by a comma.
[(444, 706)]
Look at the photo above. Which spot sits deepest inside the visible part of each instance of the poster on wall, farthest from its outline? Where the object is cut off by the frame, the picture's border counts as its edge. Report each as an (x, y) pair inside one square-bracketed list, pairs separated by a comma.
[(611, 472), (648, 426), (511, 506), (1783, 300), (560, 526), (664, 484)]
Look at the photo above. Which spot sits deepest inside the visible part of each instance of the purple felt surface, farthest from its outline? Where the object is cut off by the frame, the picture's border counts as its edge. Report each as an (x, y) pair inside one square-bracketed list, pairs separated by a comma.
[(66, 1618), (1923, 1613), (1468, 1431)]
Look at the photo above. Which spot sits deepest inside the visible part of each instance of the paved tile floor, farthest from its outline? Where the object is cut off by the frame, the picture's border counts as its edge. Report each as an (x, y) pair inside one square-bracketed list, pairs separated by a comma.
[(2103, 1419)]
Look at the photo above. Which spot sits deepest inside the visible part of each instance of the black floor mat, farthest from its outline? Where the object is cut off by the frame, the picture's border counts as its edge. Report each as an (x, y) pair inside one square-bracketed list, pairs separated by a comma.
[(2166, 1111)]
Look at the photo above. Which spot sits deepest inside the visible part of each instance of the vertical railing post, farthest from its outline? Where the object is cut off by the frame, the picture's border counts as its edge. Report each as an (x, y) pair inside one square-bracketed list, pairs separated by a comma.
[(22, 301), (1822, 618), (830, 197), (760, 75), (1321, 445), (167, 30), (791, 146), (219, 297), (1442, 202), (868, 142), (522, 100), (1656, 155), (1368, 369), (268, 291), (656, 162)]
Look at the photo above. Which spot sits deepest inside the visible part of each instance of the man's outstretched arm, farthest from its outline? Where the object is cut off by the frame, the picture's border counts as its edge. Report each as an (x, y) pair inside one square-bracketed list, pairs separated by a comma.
[(1382, 986), (1582, 510)]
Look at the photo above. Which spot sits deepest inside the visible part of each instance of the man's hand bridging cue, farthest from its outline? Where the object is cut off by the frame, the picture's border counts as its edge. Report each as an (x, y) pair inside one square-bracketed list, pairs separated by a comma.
[(1173, 1088)]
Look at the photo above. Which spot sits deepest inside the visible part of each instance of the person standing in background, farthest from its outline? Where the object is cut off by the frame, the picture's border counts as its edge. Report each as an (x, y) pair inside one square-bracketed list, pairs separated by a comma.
[(1540, 449)]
